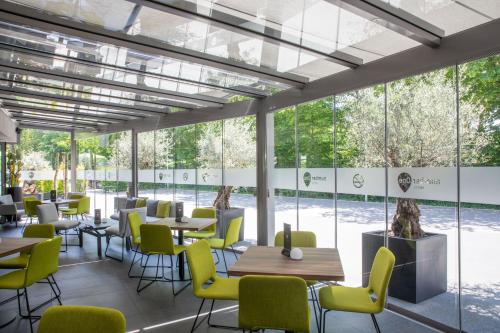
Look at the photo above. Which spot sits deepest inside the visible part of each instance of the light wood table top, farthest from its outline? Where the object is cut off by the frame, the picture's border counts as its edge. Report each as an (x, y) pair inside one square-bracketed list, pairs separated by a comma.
[(321, 264), (190, 224), (10, 245)]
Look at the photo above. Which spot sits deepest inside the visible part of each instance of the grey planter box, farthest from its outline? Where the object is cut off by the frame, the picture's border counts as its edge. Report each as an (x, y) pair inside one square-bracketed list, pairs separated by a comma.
[(420, 271), (225, 216)]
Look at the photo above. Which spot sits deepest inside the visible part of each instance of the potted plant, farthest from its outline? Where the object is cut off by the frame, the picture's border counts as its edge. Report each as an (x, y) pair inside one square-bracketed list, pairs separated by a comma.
[(225, 213), (420, 271), (14, 166)]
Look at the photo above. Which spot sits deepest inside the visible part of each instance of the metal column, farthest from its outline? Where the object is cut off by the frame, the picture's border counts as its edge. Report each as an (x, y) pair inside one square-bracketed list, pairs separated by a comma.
[(135, 175), (74, 162), (3, 152)]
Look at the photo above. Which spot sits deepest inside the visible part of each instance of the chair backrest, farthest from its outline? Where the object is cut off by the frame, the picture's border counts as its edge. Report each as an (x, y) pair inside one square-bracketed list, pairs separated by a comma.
[(156, 238), (123, 225), (201, 265), (47, 213), (39, 231), (141, 202), (83, 205), (43, 261), (6, 199), (299, 239), (135, 221), (209, 213), (75, 195), (30, 204), (233, 231), (81, 319), (274, 302), (380, 275)]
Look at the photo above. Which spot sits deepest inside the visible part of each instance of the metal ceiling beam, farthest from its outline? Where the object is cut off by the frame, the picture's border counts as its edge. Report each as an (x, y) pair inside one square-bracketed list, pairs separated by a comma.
[(23, 15), (63, 115), (129, 110), (228, 22), (107, 114), (74, 113), (239, 90), (50, 123), (394, 19), (20, 115), (46, 128), (458, 48), (184, 102)]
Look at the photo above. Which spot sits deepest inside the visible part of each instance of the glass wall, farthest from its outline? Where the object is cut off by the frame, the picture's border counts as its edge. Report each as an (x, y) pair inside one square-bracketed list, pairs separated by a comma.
[(411, 169)]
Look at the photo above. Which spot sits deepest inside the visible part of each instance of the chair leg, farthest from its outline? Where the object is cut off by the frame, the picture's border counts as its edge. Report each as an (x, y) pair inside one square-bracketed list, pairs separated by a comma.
[(234, 252), (225, 264), (58, 296), (133, 259), (375, 322), (215, 325), (323, 322), (217, 255), (197, 315), (28, 308), (316, 307)]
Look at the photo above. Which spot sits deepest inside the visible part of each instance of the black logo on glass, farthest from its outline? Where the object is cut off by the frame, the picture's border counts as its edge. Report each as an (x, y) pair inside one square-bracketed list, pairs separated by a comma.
[(31, 174), (160, 176), (185, 176), (358, 181), (404, 181), (204, 176), (307, 178)]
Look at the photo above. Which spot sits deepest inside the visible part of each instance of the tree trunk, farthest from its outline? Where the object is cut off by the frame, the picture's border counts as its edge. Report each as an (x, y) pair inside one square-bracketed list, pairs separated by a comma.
[(56, 172), (65, 173), (405, 222), (223, 196)]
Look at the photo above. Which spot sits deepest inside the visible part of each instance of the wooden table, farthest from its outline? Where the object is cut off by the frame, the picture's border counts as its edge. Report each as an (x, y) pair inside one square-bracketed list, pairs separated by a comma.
[(322, 264), (10, 246), (188, 224)]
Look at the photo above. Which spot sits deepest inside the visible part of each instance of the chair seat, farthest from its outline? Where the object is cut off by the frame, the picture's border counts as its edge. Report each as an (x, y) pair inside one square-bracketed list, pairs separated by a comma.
[(115, 216), (113, 231), (13, 280), (65, 224), (341, 298), (69, 211), (177, 249), (20, 261), (221, 289), (199, 234), (216, 243)]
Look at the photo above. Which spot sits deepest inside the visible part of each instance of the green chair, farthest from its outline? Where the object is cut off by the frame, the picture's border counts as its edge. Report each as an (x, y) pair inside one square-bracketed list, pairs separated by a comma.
[(31, 231), (273, 302), (157, 239), (206, 283), (232, 234), (81, 319), (141, 202), (75, 208), (303, 239), (42, 264), (163, 209), (30, 204), (363, 300), (135, 221), (208, 232)]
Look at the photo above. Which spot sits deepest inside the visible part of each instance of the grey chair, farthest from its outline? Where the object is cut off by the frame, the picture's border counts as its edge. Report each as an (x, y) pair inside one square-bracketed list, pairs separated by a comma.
[(122, 230), (47, 214), (10, 209)]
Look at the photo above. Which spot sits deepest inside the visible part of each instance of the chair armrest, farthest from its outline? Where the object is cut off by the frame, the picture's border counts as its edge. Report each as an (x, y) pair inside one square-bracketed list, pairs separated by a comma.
[(9, 209)]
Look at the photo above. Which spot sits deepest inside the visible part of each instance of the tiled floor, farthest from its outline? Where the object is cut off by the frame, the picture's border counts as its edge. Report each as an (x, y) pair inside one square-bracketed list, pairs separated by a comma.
[(86, 280)]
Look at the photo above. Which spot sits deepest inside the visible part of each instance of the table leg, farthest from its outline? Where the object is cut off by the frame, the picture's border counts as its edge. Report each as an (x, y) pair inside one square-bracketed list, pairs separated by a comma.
[(99, 247), (80, 238), (180, 238)]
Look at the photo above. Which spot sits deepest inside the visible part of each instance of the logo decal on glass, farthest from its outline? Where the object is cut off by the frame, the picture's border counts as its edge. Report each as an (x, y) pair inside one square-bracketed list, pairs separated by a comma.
[(204, 176), (185, 176), (160, 175), (31, 174), (358, 181), (404, 181), (307, 178)]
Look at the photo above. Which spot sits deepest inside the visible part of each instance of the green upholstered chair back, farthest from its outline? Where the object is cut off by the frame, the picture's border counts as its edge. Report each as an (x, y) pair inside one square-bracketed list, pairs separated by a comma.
[(141, 202), (233, 231), (39, 231), (135, 221), (81, 319), (163, 208), (43, 261), (83, 205), (274, 302), (201, 264), (156, 238), (208, 213), (75, 196), (30, 204), (380, 275), (299, 239)]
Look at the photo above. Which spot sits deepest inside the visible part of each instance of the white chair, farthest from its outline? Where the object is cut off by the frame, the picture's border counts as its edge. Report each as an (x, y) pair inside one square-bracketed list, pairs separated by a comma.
[(122, 230), (47, 214)]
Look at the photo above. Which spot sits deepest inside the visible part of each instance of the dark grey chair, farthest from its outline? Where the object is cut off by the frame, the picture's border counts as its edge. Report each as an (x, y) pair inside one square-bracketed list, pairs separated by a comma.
[(9, 209)]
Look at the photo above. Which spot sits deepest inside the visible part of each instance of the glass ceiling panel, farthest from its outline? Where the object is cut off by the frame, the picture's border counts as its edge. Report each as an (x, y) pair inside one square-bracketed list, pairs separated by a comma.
[(195, 35), (107, 54), (451, 15), (92, 93), (316, 24)]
